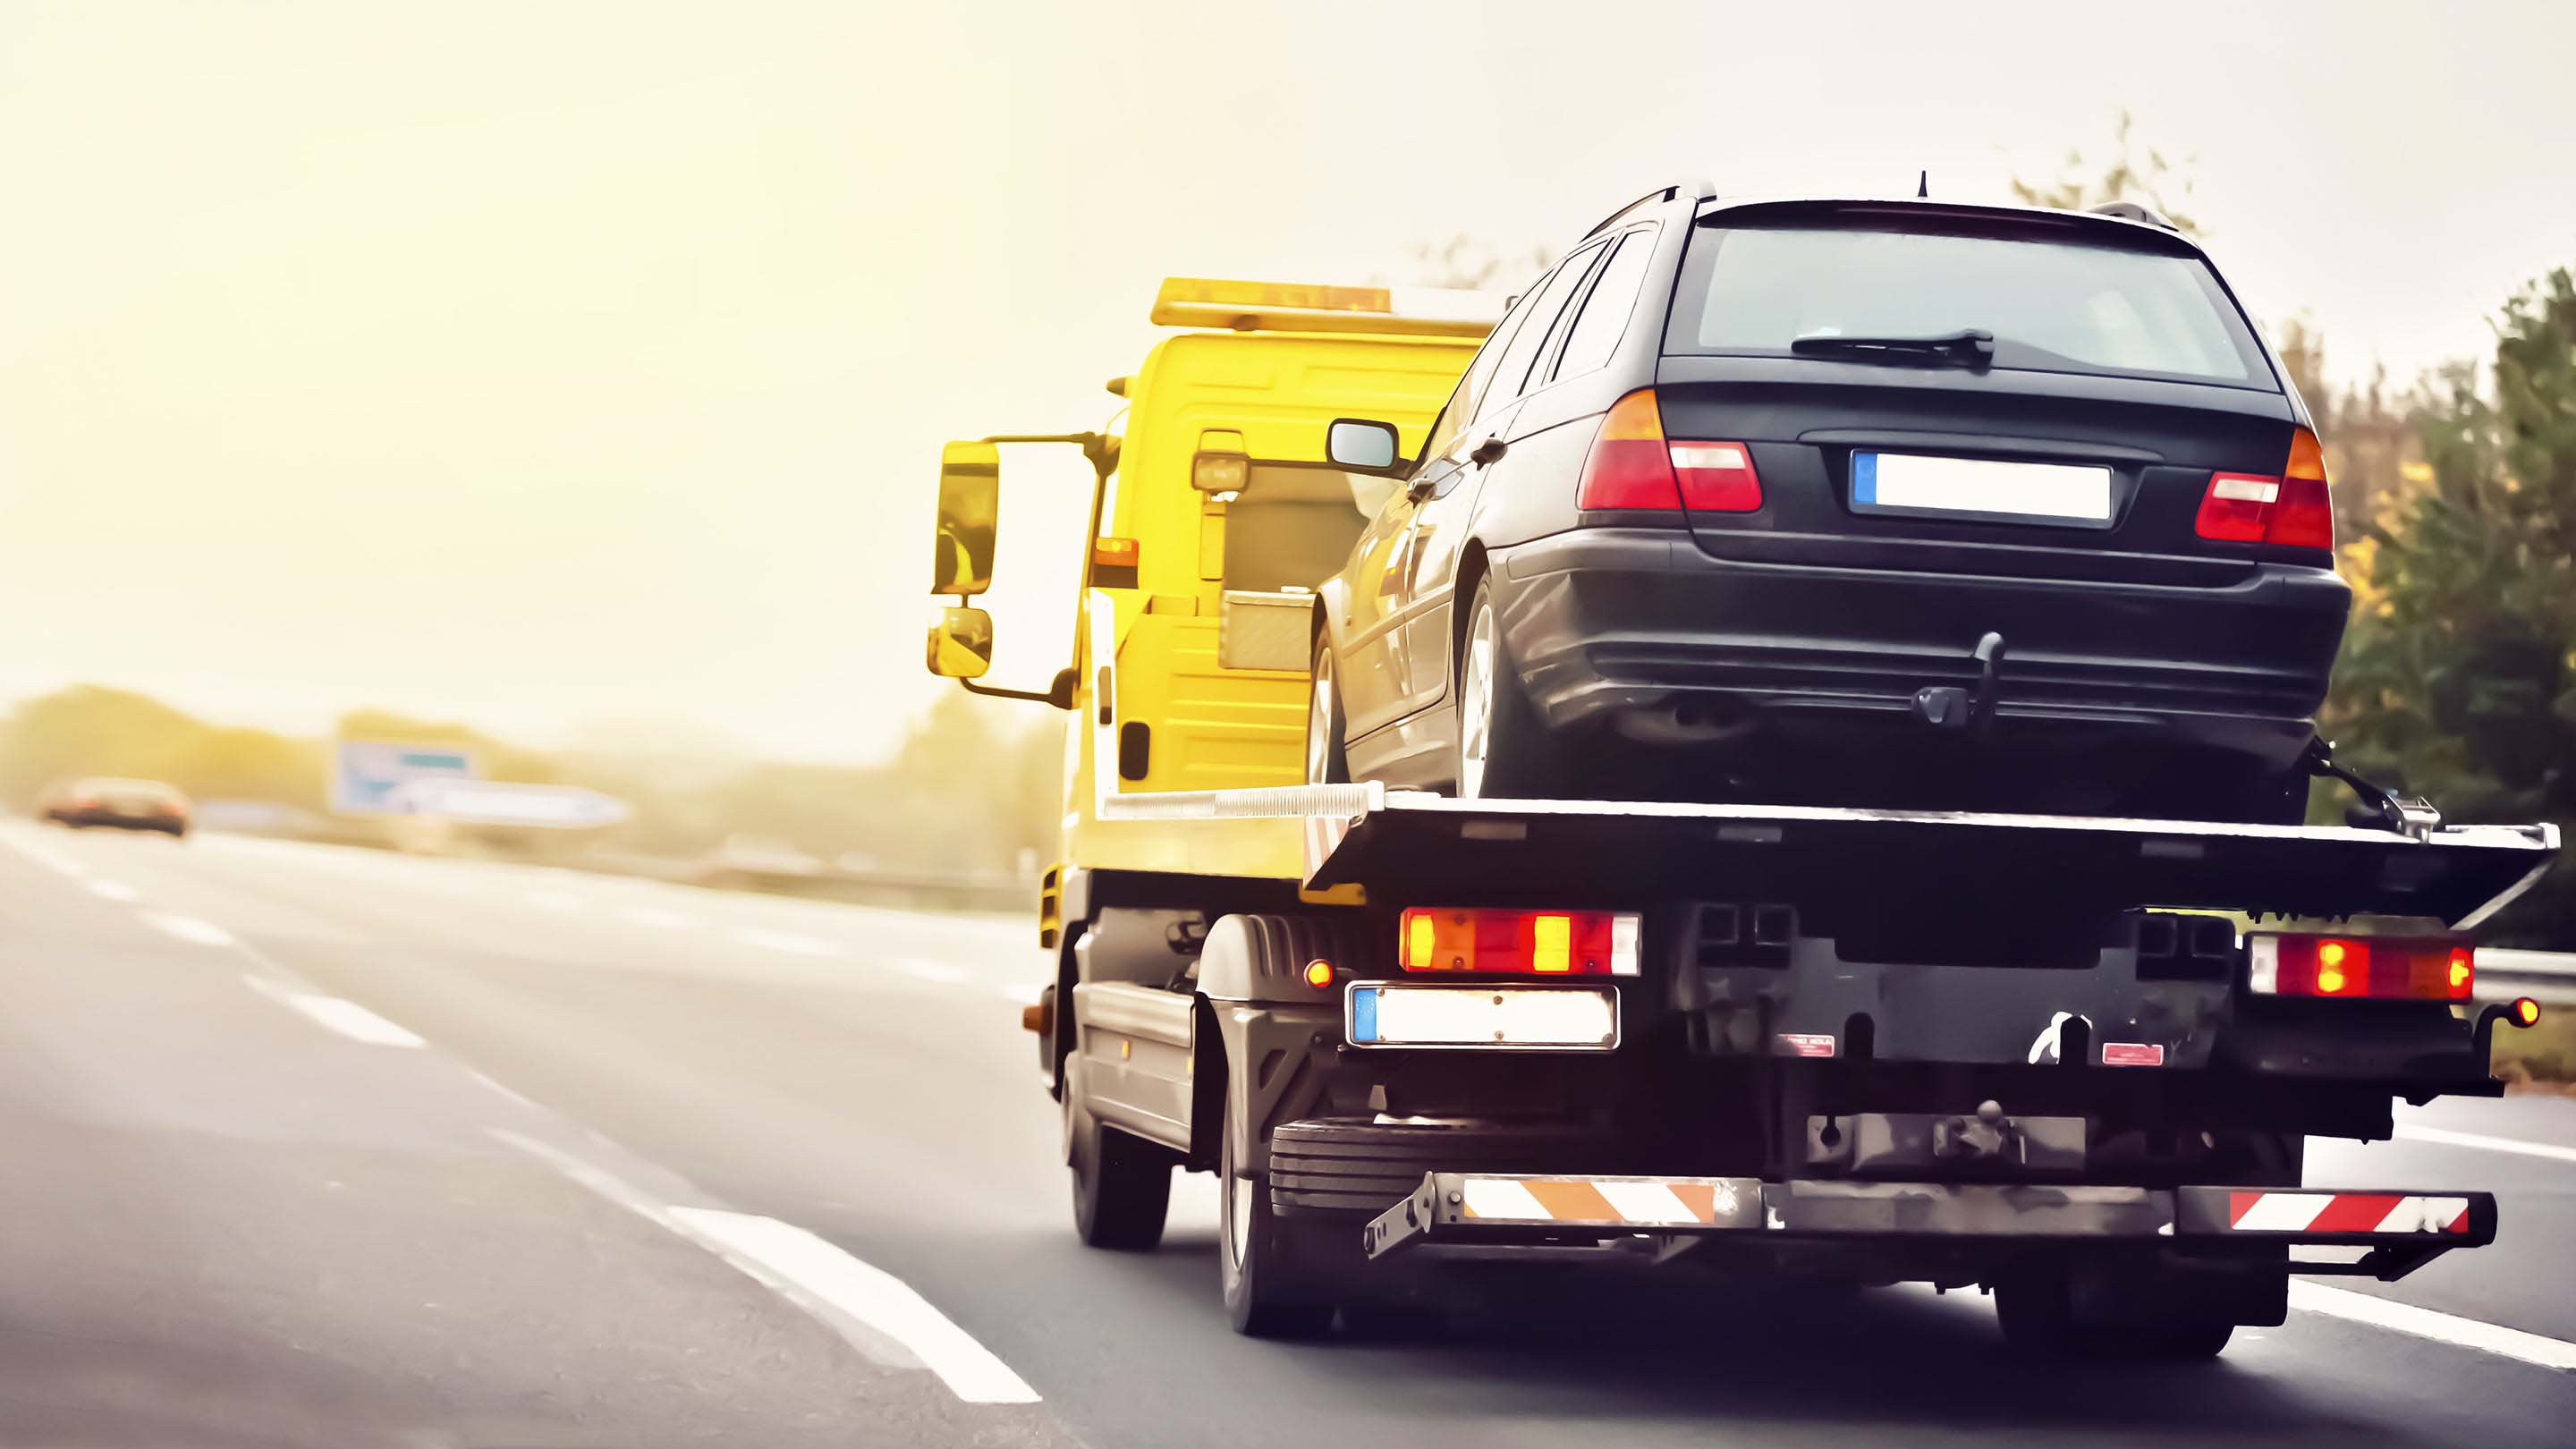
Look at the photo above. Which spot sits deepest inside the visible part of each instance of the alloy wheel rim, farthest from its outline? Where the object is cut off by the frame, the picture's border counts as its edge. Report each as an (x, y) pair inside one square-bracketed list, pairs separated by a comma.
[(1476, 705)]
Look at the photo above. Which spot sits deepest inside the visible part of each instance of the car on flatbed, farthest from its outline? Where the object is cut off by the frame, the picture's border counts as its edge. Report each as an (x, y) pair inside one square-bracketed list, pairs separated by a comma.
[(1900, 503)]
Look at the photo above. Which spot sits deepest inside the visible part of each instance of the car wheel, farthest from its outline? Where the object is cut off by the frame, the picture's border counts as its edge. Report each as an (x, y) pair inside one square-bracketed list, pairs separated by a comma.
[(1327, 763), (1122, 1188), (1504, 751), (1263, 1264)]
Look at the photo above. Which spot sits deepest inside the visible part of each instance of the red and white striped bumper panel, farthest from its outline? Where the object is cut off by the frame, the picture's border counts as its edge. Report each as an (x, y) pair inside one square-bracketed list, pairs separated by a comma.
[(2311, 1214)]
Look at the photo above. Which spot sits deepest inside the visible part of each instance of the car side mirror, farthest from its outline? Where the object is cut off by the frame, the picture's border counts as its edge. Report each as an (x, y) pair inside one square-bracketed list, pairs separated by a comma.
[(1362, 445), (970, 504), (961, 643)]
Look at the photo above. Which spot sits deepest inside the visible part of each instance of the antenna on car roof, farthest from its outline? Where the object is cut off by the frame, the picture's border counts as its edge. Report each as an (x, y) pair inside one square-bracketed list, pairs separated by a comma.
[(1923, 184)]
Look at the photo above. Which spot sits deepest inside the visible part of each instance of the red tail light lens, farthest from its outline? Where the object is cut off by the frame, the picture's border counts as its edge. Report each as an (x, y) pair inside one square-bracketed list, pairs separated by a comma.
[(1523, 943), (2371, 968), (1628, 466), (1631, 466), (2291, 511)]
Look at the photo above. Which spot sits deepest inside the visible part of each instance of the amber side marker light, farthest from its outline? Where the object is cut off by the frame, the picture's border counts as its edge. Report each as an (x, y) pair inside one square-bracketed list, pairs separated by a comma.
[(1319, 974), (2520, 1013)]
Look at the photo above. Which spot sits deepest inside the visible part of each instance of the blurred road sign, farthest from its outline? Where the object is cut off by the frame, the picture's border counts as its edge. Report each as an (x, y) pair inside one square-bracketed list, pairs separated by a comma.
[(502, 802), (366, 773)]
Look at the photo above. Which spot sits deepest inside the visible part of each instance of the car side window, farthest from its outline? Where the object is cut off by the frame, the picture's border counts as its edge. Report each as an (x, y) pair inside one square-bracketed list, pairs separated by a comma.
[(1470, 390), (1604, 316), (1512, 376)]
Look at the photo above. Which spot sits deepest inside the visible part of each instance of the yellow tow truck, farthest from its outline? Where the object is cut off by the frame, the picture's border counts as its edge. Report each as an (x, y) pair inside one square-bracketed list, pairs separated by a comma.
[(1214, 515)]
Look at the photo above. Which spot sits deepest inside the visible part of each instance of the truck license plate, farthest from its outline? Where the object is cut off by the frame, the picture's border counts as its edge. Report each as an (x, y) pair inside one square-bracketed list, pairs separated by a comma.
[(1541, 1018)]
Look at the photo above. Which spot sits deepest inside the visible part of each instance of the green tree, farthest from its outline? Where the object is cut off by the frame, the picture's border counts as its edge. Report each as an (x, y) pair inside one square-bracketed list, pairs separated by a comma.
[(2458, 678)]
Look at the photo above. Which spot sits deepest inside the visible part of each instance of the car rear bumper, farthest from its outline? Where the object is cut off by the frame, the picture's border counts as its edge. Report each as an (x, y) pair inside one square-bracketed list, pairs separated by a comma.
[(1609, 620)]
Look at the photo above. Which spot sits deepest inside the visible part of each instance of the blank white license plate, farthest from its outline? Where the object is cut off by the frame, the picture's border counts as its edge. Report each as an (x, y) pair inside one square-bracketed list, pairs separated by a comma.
[(1910, 483), (1561, 1018)]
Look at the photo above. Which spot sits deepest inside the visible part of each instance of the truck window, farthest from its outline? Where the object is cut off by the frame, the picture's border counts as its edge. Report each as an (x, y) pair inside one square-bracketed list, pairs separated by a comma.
[(1293, 525), (1604, 318)]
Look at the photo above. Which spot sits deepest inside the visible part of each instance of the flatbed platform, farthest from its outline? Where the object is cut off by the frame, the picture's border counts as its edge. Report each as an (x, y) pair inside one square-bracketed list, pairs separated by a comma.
[(1369, 835)]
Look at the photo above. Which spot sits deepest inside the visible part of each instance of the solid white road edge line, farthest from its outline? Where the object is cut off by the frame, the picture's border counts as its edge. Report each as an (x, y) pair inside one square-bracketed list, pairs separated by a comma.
[(2531, 1348), (188, 928), (838, 1290), (869, 1294), (347, 1018), (2445, 1137)]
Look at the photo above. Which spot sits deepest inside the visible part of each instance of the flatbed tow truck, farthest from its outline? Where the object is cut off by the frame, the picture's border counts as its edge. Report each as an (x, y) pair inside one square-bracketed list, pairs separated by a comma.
[(2071, 1060)]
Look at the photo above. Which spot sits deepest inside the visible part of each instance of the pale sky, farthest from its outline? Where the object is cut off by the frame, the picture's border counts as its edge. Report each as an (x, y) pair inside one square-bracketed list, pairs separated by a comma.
[(547, 364)]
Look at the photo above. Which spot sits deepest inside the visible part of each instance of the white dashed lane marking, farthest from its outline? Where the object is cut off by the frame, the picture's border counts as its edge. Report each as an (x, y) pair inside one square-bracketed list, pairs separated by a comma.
[(188, 928), (2406, 1318), (113, 890), (347, 1018), (786, 941)]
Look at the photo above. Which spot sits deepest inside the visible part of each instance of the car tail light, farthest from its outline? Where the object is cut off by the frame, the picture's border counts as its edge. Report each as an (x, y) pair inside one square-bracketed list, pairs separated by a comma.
[(1629, 466), (1526, 943), (1717, 477), (2293, 510), (1632, 466), (2372, 968)]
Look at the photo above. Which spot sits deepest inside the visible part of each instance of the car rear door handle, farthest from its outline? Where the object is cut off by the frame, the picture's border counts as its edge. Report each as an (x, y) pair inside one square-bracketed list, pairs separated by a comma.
[(1488, 452)]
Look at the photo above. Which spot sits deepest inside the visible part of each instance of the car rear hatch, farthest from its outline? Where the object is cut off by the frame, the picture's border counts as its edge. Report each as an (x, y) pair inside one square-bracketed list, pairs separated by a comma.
[(1969, 390)]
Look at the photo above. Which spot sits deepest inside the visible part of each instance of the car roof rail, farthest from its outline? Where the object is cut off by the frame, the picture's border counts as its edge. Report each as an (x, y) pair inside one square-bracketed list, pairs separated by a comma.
[(2134, 211), (1695, 190)]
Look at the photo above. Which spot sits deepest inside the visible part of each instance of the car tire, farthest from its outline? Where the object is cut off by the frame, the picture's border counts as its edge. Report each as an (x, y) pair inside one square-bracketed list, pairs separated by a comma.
[(1266, 1264), (1328, 761), (1503, 750), (1122, 1187)]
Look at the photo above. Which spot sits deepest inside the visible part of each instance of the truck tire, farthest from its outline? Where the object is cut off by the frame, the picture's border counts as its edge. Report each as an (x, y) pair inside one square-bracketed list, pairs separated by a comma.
[(2037, 1324), (1266, 1264), (1122, 1186)]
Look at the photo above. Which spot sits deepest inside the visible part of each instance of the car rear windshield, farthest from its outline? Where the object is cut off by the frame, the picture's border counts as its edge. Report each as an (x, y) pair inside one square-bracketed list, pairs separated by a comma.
[(2052, 303)]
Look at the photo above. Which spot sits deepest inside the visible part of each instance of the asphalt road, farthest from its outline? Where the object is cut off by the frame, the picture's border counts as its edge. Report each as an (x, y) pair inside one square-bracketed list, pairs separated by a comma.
[(327, 1147)]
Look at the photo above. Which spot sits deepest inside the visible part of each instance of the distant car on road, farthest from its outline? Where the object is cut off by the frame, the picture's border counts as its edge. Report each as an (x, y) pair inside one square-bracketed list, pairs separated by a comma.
[(123, 804), (1820, 502)]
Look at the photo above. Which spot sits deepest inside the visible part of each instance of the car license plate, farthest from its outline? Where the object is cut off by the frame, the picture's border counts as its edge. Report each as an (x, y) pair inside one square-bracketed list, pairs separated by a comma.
[(1981, 489), (1541, 1018)]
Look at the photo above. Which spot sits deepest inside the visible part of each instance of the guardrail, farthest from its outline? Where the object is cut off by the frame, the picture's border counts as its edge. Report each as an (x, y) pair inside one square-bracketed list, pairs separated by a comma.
[(2544, 976)]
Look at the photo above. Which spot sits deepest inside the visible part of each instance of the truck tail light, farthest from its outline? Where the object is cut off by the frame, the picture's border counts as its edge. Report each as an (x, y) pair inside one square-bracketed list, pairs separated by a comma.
[(1632, 466), (2290, 511), (2372, 968), (1520, 943)]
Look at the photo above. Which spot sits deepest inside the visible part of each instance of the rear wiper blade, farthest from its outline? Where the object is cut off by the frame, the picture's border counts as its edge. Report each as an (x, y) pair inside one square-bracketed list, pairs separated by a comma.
[(1967, 347)]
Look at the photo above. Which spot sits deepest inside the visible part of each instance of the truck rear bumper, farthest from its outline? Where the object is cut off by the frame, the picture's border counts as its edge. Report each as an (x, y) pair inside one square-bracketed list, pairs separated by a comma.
[(2402, 1229)]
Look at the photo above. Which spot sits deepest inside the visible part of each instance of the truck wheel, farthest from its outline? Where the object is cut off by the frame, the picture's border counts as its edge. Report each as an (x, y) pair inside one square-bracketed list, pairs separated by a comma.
[(1271, 1288), (1326, 761), (1122, 1188), (2037, 1324), (1504, 750)]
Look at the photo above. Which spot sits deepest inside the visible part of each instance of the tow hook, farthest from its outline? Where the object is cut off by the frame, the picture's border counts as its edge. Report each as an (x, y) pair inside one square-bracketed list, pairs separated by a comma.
[(1962, 707), (1987, 1136)]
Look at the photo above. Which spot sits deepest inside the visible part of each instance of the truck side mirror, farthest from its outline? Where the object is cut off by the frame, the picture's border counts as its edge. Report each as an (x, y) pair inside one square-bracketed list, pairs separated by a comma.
[(961, 643), (970, 504), (1362, 445)]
